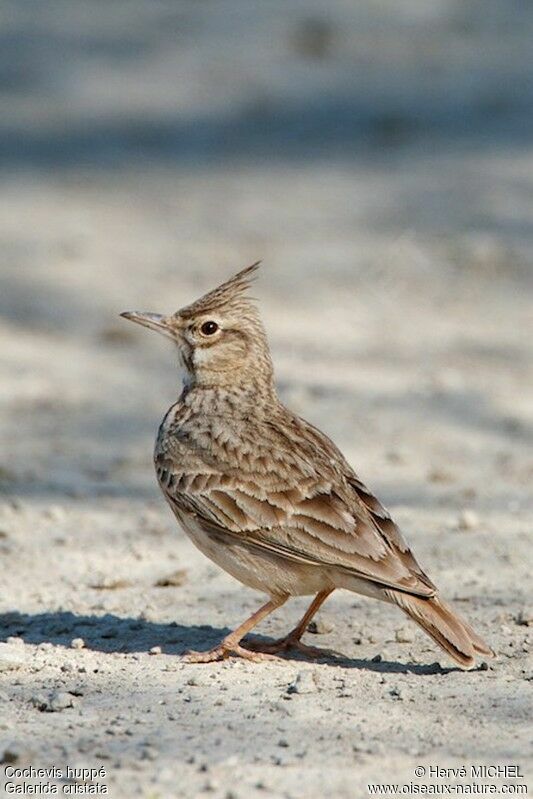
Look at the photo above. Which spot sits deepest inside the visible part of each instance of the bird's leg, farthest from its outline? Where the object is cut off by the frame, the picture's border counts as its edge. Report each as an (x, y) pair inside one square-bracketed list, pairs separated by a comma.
[(292, 639), (230, 645)]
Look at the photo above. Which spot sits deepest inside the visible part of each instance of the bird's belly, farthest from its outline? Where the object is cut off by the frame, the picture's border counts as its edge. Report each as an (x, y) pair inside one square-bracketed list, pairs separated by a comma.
[(262, 571)]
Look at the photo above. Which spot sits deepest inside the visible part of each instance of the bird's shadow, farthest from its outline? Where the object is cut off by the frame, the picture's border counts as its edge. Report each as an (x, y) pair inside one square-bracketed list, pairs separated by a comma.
[(109, 633)]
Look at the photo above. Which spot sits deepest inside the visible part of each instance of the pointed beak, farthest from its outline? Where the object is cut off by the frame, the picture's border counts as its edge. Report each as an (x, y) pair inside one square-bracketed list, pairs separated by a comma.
[(154, 321)]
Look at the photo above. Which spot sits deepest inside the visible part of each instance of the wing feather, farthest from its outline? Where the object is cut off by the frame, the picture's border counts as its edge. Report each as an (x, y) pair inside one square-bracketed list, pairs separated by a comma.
[(297, 497)]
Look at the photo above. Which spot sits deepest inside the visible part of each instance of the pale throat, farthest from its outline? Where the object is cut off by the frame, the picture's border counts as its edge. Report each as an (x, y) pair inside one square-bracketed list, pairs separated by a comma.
[(242, 387)]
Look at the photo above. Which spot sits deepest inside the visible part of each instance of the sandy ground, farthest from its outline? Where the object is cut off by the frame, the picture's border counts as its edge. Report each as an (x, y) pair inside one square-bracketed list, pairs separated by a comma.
[(148, 150)]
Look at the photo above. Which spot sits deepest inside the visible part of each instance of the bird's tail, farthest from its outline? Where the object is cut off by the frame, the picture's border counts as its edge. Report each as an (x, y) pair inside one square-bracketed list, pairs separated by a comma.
[(442, 624)]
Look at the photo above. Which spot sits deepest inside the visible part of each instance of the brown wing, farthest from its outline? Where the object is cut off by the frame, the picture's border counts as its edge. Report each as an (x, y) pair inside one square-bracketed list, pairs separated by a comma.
[(389, 530), (295, 496)]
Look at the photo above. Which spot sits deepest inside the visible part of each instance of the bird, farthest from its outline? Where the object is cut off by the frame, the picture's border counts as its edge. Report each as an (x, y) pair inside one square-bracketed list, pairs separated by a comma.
[(269, 497)]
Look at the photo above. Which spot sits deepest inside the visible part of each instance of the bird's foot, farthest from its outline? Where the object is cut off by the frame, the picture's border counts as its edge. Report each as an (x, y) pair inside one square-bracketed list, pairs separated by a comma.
[(224, 651), (289, 642)]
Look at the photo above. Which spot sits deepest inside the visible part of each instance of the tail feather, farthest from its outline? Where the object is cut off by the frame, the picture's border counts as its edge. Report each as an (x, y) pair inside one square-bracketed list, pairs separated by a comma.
[(444, 626)]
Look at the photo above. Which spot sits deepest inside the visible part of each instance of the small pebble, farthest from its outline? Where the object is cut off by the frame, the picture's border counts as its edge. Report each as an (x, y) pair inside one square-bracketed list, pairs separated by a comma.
[(60, 700), (404, 635), (303, 684), (344, 691), (524, 618), (16, 753), (173, 580), (319, 627), (12, 657), (111, 584), (54, 702), (468, 520), (148, 753)]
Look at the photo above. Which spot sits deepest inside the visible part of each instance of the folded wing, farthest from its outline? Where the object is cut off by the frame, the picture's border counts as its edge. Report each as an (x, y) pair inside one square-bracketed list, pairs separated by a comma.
[(311, 508)]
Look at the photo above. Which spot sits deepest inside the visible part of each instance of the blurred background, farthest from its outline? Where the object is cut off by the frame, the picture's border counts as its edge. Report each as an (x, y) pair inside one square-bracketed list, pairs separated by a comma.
[(378, 157)]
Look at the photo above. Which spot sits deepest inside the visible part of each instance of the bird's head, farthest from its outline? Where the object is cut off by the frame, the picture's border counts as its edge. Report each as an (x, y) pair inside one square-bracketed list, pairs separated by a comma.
[(220, 337)]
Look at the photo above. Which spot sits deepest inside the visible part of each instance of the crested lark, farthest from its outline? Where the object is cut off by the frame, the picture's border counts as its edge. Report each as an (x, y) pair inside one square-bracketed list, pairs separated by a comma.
[(266, 495)]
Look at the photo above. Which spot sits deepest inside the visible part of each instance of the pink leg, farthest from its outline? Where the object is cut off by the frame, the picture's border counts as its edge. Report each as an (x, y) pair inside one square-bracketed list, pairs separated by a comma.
[(230, 645), (292, 640)]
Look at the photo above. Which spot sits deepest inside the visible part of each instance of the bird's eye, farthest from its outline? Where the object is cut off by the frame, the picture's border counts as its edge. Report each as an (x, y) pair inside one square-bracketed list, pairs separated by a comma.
[(209, 328)]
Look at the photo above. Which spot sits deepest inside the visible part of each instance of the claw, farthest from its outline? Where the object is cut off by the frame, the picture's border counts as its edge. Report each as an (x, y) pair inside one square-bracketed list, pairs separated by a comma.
[(290, 642), (224, 651)]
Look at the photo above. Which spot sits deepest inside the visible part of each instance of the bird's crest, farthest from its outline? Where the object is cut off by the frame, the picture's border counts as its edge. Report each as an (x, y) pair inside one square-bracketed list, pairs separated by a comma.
[(230, 293)]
